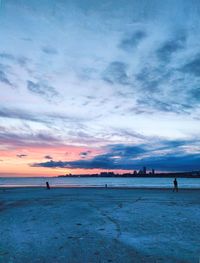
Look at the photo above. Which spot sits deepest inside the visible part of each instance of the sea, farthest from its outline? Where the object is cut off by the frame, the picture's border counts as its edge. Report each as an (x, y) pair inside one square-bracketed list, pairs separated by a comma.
[(189, 183)]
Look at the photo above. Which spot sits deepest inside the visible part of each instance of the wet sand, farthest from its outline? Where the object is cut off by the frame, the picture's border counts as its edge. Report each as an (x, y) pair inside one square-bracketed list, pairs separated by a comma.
[(99, 225)]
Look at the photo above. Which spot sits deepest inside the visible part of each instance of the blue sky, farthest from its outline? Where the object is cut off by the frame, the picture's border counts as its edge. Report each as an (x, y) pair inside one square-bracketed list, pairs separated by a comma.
[(96, 75)]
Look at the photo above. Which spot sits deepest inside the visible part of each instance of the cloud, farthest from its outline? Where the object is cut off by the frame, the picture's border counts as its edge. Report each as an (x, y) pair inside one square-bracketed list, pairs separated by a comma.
[(166, 156), (173, 162), (13, 139), (4, 78), (132, 41), (192, 67), (41, 89), (48, 157), (108, 71), (126, 150), (195, 95), (20, 60), (170, 47), (159, 82), (163, 106), (23, 62), (8, 56), (150, 80), (20, 114), (49, 50), (116, 73), (168, 162), (21, 155), (84, 154), (46, 118)]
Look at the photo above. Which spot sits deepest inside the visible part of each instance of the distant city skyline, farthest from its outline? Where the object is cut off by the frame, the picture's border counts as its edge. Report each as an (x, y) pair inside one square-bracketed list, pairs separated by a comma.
[(90, 86)]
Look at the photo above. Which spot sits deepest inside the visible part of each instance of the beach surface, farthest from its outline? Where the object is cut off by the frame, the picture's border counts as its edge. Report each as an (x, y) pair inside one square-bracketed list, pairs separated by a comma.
[(82, 225)]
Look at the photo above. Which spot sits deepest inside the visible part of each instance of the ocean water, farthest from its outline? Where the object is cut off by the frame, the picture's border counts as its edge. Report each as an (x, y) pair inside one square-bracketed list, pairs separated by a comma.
[(191, 183)]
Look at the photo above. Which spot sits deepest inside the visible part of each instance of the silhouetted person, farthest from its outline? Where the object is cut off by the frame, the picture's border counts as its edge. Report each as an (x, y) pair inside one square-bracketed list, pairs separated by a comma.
[(175, 185), (106, 186), (48, 186)]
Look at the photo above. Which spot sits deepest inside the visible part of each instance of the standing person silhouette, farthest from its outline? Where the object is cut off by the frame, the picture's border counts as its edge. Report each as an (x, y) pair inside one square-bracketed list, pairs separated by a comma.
[(175, 185), (47, 185)]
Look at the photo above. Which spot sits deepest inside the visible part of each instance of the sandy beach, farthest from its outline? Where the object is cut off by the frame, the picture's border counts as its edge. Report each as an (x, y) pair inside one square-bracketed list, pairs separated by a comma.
[(99, 225)]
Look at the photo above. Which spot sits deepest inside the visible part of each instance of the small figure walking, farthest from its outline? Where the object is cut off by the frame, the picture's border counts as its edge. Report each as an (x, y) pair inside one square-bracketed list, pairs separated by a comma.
[(175, 185), (48, 186)]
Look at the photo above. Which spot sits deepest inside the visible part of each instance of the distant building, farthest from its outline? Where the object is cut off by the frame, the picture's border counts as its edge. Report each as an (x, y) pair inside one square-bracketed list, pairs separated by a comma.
[(140, 172), (144, 170), (107, 174), (103, 174), (153, 171)]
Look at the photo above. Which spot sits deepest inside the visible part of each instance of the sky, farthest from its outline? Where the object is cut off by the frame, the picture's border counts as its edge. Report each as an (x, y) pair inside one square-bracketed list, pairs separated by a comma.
[(89, 86)]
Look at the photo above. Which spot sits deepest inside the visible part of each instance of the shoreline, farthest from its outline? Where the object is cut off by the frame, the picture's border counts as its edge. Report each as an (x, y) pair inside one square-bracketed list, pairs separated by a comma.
[(99, 187), (147, 176)]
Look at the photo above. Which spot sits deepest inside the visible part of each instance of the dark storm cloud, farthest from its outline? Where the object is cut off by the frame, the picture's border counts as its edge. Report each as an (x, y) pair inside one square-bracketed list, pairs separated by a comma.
[(132, 41), (116, 73), (42, 90)]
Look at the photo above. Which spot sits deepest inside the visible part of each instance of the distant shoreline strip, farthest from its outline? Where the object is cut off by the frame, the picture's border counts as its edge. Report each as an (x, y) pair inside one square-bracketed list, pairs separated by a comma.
[(4, 187)]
